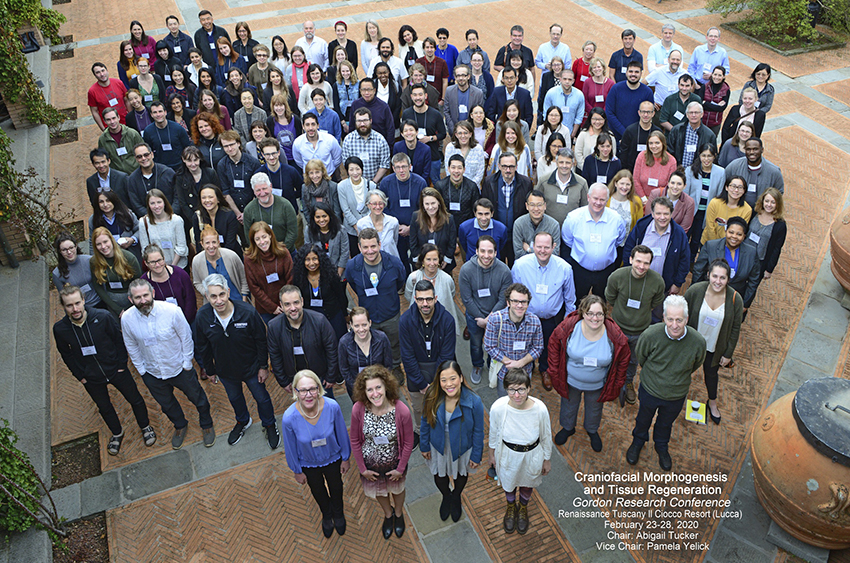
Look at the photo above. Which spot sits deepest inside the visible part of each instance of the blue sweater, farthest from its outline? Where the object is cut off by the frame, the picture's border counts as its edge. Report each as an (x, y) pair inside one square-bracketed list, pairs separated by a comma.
[(468, 235), (298, 436), (159, 138), (396, 191), (677, 261), (385, 305), (329, 122), (622, 106), (413, 348), (421, 158), (466, 428)]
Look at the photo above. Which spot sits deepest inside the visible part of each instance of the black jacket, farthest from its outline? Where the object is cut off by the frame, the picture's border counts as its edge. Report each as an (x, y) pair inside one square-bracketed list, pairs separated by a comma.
[(318, 341), (236, 353), (332, 293), (676, 140), (187, 194), (212, 152), (469, 192), (522, 187), (202, 43), (100, 330), (117, 183), (747, 275), (445, 239), (162, 179), (413, 345), (634, 136)]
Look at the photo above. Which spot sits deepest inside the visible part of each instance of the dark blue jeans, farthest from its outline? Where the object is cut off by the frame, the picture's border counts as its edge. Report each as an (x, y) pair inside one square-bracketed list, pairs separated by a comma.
[(667, 411), (548, 325), (162, 391), (476, 341), (260, 394)]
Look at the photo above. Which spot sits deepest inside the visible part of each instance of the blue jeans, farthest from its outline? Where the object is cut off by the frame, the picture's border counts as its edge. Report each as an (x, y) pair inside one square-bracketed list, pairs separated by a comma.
[(476, 341), (237, 399), (435, 171)]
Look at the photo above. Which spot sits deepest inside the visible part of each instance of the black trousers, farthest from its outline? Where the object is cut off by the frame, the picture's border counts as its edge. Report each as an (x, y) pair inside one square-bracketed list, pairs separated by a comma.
[(126, 385), (548, 325), (326, 487), (589, 281), (667, 411), (187, 381), (710, 375)]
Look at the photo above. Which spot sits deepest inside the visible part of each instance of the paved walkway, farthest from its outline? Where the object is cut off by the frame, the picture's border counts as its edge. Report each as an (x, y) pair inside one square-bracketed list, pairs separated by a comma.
[(230, 501)]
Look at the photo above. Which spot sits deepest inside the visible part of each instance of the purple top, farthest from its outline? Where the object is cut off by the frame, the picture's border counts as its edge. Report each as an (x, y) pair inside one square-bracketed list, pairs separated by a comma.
[(177, 289)]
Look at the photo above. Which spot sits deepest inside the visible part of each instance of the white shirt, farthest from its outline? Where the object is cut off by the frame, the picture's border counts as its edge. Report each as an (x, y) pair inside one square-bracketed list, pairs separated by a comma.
[(396, 68), (316, 51), (159, 344)]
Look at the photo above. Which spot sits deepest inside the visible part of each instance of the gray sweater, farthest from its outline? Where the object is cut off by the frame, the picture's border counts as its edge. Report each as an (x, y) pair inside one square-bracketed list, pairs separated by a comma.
[(473, 277), (524, 231), (768, 177), (79, 274)]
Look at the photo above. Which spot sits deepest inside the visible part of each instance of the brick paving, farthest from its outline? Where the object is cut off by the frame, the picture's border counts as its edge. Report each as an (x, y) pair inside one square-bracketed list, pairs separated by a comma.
[(231, 516)]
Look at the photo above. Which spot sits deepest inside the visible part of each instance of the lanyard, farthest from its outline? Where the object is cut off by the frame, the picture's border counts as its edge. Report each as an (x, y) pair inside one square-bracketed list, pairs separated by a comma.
[(167, 132), (168, 281), (271, 218), (91, 339), (262, 263), (641, 289)]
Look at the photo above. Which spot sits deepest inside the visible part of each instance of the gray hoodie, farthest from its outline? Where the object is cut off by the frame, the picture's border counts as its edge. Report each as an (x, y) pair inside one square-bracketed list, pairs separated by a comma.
[(474, 278)]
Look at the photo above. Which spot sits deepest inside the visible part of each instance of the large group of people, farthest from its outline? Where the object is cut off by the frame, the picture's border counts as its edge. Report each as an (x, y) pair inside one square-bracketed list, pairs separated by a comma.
[(300, 191)]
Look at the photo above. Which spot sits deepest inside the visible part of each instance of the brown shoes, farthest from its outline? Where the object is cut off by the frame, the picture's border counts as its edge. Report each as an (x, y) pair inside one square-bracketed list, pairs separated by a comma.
[(510, 518), (631, 396), (546, 380), (522, 518)]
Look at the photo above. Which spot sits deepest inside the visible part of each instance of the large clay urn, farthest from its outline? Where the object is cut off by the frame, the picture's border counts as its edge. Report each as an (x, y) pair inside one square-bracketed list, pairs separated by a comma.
[(801, 462), (839, 247)]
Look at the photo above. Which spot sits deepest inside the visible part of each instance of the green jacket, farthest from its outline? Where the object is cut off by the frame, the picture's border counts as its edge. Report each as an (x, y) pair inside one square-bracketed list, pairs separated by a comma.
[(667, 364), (671, 105), (730, 328), (282, 220), (126, 162)]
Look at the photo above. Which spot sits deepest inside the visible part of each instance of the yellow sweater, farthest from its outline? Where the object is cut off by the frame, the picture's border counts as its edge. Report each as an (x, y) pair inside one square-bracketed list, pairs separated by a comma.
[(716, 215)]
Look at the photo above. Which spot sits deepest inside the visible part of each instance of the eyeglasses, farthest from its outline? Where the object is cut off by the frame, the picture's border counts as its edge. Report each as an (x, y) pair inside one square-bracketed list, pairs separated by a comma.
[(155, 262), (261, 55), (520, 302), (306, 392), (425, 299), (143, 155), (68, 250), (464, 75), (595, 315), (522, 391), (229, 145)]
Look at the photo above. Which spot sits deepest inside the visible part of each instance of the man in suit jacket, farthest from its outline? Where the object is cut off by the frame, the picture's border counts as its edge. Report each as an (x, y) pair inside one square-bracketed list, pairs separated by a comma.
[(460, 98), (745, 266), (105, 179), (507, 208), (206, 36), (510, 91)]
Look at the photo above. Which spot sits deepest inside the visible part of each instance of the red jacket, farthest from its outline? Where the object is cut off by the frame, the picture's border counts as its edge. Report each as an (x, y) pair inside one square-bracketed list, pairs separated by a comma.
[(558, 364)]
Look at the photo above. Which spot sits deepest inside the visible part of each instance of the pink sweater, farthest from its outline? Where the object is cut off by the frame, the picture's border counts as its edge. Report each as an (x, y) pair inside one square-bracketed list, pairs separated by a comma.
[(683, 212), (404, 434), (592, 89), (647, 178)]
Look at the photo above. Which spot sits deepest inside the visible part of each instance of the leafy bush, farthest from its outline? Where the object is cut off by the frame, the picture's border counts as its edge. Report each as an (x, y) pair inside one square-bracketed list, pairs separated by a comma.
[(15, 468), (772, 21), (836, 14)]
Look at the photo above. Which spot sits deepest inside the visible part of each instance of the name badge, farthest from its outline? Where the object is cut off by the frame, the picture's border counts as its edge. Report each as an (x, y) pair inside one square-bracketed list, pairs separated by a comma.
[(86, 288), (238, 183), (447, 259), (178, 49), (641, 148), (430, 78), (149, 98), (427, 345), (212, 46), (678, 115), (755, 238), (633, 304), (542, 289), (316, 302), (263, 85), (461, 108), (706, 67), (733, 272), (245, 58), (595, 237), (364, 156), (691, 148), (656, 251), (381, 440), (273, 277), (751, 188), (421, 132), (404, 203), (371, 291), (277, 192), (520, 345), (221, 239), (758, 104), (240, 325), (562, 198), (113, 102), (167, 78), (599, 98), (166, 244), (171, 300), (710, 321), (431, 241), (703, 193), (146, 55), (121, 151), (115, 285), (485, 292), (166, 146), (298, 350), (319, 443), (590, 361), (653, 182), (89, 350), (623, 70), (602, 179), (583, 78), (150, 342)]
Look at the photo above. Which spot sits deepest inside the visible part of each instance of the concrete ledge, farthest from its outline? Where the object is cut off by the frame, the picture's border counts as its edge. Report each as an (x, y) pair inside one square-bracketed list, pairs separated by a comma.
[(779, 537)]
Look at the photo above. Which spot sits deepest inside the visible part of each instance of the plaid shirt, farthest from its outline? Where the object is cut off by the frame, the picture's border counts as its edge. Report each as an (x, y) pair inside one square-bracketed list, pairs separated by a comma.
[(691, 138), (502, 333), (374, 147)]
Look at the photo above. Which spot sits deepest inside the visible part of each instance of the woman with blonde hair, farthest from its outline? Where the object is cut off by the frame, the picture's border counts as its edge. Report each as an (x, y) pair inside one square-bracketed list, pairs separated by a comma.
[(653, 166), (623, 199), (369, 45), (318, 186), (112, 269), (345, 91), (768, 229), (217, 260), (512, 141), (268, 267)]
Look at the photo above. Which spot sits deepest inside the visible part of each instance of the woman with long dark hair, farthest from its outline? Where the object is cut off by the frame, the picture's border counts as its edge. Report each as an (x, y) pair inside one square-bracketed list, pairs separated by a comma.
[(602, 165), (227, 58), (320, 285), (705, 182), (182, 86), (432, 223), (127, 59), (73, 268), (143, 44), (596, 124), (206, 81), (547, 162), (208, 102), (324, 229), (280, 54), (113, 214), (215, 212)]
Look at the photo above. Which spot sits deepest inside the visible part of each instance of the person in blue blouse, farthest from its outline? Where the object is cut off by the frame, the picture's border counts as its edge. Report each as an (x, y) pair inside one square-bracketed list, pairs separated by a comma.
[(451, 434), (318, 448)]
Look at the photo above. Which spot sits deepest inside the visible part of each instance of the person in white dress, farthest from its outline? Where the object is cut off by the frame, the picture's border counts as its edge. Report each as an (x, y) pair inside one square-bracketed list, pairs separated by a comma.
[(520, 446)]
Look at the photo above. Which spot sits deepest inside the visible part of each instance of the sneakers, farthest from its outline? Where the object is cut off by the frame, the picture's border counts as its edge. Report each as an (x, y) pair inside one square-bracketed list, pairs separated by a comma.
[(272, 435), (475, 376), (239, 431), (631, 396), (114, 445), (209, 436), (179, 436), (149, 436)]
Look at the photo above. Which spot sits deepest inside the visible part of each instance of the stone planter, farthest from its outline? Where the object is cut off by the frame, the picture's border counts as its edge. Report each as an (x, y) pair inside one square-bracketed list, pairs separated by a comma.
[(17, 241)]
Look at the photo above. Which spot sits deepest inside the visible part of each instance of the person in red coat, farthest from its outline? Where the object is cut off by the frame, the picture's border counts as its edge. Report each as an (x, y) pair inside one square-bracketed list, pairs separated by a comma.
[(588, 355)]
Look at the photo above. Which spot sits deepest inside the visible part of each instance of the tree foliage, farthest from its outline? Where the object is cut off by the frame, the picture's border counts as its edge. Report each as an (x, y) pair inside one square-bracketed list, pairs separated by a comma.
[(772, 21)]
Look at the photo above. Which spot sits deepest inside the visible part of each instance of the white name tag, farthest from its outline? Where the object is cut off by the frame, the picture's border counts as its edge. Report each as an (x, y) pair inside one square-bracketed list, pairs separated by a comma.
[(653, 182), (221, 239), (121, 151), (484, 292), (623, 70), (583, 78), (633, 303), (758, 104), (319, 443), (590, 361), (245, 58), (733, 272), (171, 300), (166, 146), (150, 342), (656, 251), (165, 244), (691, 148), (430, 78), (710, 321), (751, 188), (404, 203), (86, 288), (447, 259), (520, 345), (599, 98), (595, 237), (461, 108), (755, 238), (381, 440), (298, 350), (240, 325), (167, 78), (703, 193), (641, 148), (146, 55), (431, 241), (149, 98), (178, 49), (238, 183), (316, 302), (115, 285), (277, 192), (89, 350), (706, 67), (212, 46), (678, 115), (542, 289), (602, 179), (427, 345), (364, 156), (113, 102), (371, 291), (421, 132), (454, 206), (562, 198), (273, 277)]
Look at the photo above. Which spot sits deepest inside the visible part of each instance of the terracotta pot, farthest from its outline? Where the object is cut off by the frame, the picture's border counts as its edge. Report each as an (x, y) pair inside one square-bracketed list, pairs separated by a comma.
[(839, 246), (801, 462)]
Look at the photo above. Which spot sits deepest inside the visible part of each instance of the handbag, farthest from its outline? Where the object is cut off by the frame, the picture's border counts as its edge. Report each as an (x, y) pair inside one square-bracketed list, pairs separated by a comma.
[(495, 365)]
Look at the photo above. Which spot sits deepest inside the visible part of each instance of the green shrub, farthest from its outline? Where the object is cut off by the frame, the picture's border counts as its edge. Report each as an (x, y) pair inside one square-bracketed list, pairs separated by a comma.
[(15, 467), (772, 21)]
